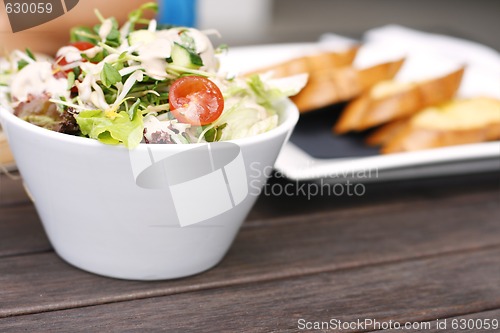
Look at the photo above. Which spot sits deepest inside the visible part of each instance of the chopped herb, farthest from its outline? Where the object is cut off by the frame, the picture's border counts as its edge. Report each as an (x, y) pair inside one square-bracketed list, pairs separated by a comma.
[(77, 71), (83, 34), (21, 64), (109, 75), (30, 54)]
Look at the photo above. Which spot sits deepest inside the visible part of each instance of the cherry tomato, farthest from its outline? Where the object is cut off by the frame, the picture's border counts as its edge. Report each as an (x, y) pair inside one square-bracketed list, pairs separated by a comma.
[(195, 100), (61, 62), (82, 46)]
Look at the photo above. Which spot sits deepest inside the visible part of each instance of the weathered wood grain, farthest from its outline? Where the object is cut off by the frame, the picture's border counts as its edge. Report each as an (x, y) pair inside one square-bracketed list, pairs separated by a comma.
[(21, 231), (274, 249), (404, 192), (419, 290), (284, 239), (11, 191), (21, 235)]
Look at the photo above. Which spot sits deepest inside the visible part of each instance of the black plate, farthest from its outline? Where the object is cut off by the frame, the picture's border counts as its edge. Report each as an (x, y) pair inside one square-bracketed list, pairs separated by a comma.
[(313, 134)]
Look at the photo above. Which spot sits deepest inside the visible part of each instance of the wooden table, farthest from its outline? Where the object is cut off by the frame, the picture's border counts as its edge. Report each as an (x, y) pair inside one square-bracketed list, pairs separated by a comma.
[(407, 251)]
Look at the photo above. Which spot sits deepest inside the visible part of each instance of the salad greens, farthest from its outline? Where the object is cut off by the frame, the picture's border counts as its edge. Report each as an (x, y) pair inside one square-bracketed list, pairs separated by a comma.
[(111, 129), (116, 84)]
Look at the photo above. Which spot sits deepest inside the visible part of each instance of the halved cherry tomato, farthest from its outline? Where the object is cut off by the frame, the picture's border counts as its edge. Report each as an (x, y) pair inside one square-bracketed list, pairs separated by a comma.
[(195, 100), (61, 62)]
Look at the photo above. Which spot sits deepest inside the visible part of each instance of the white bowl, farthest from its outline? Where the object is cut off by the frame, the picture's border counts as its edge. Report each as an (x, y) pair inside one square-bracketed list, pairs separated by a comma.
[(156, 212)]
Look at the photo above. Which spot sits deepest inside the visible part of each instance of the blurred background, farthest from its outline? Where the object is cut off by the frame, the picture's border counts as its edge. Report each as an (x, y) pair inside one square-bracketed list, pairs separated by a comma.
[(245, 22), (250, 22)]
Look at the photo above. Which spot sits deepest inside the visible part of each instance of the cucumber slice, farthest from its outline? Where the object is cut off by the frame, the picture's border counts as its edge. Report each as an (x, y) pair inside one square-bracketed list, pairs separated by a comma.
[(141, 36), (184, 57)]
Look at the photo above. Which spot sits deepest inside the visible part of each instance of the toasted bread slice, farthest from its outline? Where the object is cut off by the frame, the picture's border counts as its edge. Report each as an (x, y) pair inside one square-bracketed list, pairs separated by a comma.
[(386, 132), (310, 63), (458, 122), (392, 100), (332, 85)]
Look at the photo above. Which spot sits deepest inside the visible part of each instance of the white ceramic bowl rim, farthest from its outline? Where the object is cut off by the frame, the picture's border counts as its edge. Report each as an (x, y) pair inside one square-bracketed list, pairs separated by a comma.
[(289, 118)]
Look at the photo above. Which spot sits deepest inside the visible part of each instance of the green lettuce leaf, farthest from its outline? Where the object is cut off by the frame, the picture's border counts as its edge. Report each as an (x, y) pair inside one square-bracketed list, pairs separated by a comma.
[(112, 128), (110, 75)]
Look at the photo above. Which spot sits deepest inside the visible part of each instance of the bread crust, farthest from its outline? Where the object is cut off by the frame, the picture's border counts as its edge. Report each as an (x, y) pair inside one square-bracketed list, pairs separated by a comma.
[(369, 111), (412, 139), (332, 85), (420, 132), (310, 63), (386, 132)]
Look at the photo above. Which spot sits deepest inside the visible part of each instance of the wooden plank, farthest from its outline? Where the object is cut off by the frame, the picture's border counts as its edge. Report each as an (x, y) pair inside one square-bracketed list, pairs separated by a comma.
[(22, 234), (12, 193), (298, 246), (419, 205), (11, 190), (21, 231), (404, 192), (421, 290), (487, 321)]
